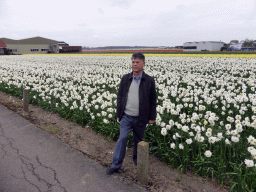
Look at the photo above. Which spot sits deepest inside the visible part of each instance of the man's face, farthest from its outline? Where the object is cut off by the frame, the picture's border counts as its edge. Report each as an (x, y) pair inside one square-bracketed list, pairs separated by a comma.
[(137, 65)]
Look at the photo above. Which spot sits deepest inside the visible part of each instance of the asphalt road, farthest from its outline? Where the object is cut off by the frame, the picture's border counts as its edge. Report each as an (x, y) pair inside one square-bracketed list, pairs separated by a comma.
[(32, 160)]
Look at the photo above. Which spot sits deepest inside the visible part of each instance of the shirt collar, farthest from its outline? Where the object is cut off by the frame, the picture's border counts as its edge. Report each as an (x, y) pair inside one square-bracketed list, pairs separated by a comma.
[(138, 78)]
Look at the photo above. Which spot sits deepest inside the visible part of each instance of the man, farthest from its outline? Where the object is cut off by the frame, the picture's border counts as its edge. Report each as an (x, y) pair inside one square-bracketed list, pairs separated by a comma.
[(136, 107)]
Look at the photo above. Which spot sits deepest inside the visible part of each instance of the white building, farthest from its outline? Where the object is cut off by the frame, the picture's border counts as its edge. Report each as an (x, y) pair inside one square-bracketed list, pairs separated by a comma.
[(203, 46), (31, 45)]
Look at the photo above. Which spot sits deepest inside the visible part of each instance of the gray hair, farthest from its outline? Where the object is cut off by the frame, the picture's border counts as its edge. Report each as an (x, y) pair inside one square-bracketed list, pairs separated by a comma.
[(138, 55)]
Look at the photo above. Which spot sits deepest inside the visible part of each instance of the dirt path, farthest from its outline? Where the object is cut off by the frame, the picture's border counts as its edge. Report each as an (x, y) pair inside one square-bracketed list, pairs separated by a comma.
[(100, 148)]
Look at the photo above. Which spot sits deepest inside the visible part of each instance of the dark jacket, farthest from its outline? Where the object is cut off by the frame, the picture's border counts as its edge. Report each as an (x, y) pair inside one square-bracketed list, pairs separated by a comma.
[(147, 97)]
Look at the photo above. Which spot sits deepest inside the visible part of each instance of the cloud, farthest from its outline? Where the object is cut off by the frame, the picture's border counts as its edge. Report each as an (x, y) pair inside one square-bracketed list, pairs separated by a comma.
[(180, 7), (2, 8), (82, 25), (121, 3), (101, 11)]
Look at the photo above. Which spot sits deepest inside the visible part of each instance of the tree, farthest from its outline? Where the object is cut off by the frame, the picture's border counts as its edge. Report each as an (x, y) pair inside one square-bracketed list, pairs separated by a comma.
[(248, 43), (234, 41)]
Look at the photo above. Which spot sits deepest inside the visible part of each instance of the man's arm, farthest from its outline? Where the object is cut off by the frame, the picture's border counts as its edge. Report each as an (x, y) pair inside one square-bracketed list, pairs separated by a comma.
[(119, 99), (152, 116)]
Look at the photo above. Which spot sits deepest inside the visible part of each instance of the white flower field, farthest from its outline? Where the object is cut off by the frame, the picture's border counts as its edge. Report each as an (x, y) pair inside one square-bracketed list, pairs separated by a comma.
[(206, 106)]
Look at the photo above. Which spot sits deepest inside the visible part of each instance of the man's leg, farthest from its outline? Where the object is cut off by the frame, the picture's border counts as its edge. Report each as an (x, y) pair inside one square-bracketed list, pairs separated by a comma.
[(125, 129), (138, 134)]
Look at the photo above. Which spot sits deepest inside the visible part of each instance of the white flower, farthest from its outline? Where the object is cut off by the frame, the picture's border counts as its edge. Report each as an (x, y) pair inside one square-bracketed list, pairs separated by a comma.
[(162, 124), (251, 140), (249, 149), (253, 152), (228, 126), (234, 139), (185, 128), (179, 126), (234, 132), (208, 153), (171, 122), (103, 113), (238, 117), (181, 146), (168, 127), (189, 141), (249, 163), (219, 135), (212, 140), (198, 129), (239, 127), (227, 142), (208, 134), (183, 121), (105, 121), (172, 145), (228, 133), (164, 131), (209, 129), (201, 139)]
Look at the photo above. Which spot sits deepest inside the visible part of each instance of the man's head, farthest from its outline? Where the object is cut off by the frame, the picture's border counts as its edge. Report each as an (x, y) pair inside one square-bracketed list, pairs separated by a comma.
[(138, 62), (138, 55)]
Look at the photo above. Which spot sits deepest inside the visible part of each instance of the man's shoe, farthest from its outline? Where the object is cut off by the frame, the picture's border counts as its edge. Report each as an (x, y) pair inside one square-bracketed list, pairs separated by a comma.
[(111, 170)]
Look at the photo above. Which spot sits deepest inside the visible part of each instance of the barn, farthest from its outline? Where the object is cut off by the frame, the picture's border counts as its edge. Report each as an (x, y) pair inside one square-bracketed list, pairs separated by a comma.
[(31, 45), (2, 47), (203, 46)]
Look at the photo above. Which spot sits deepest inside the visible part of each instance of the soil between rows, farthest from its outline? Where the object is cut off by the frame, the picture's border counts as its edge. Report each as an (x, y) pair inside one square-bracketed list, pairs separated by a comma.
[(100, 148)]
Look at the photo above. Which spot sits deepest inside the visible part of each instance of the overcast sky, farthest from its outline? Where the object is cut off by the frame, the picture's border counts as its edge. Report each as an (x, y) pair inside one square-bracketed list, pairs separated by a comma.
[(129, 22)]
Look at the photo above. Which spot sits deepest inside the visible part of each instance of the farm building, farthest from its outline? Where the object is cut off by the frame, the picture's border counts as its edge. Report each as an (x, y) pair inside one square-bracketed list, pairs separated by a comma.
[(62, 44), (203, 46), (2, 47), (31, 45), (235, 47), (65, 48), (248, 49), (70, 49)]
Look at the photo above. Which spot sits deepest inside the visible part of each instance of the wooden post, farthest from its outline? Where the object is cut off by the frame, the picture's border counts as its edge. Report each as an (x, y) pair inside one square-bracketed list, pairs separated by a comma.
[(25, 102), (142, 162)]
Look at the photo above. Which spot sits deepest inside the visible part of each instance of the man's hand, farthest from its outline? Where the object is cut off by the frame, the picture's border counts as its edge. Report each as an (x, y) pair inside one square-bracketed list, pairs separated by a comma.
[(151, 121)]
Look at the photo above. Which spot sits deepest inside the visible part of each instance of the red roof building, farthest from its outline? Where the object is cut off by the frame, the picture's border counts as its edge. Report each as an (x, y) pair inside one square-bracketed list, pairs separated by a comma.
[(2, 47), (2, 44)]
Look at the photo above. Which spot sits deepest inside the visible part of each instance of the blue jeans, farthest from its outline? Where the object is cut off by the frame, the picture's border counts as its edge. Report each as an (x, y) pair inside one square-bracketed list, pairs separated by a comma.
[(127, 124)]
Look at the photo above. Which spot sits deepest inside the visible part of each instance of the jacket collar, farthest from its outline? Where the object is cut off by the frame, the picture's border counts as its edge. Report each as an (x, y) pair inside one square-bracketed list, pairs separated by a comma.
[(143, 75)]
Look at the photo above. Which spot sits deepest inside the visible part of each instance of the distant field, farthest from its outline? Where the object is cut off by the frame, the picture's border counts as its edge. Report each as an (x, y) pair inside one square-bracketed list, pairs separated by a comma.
[(169, 51), (161, 54), (133, 50)]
